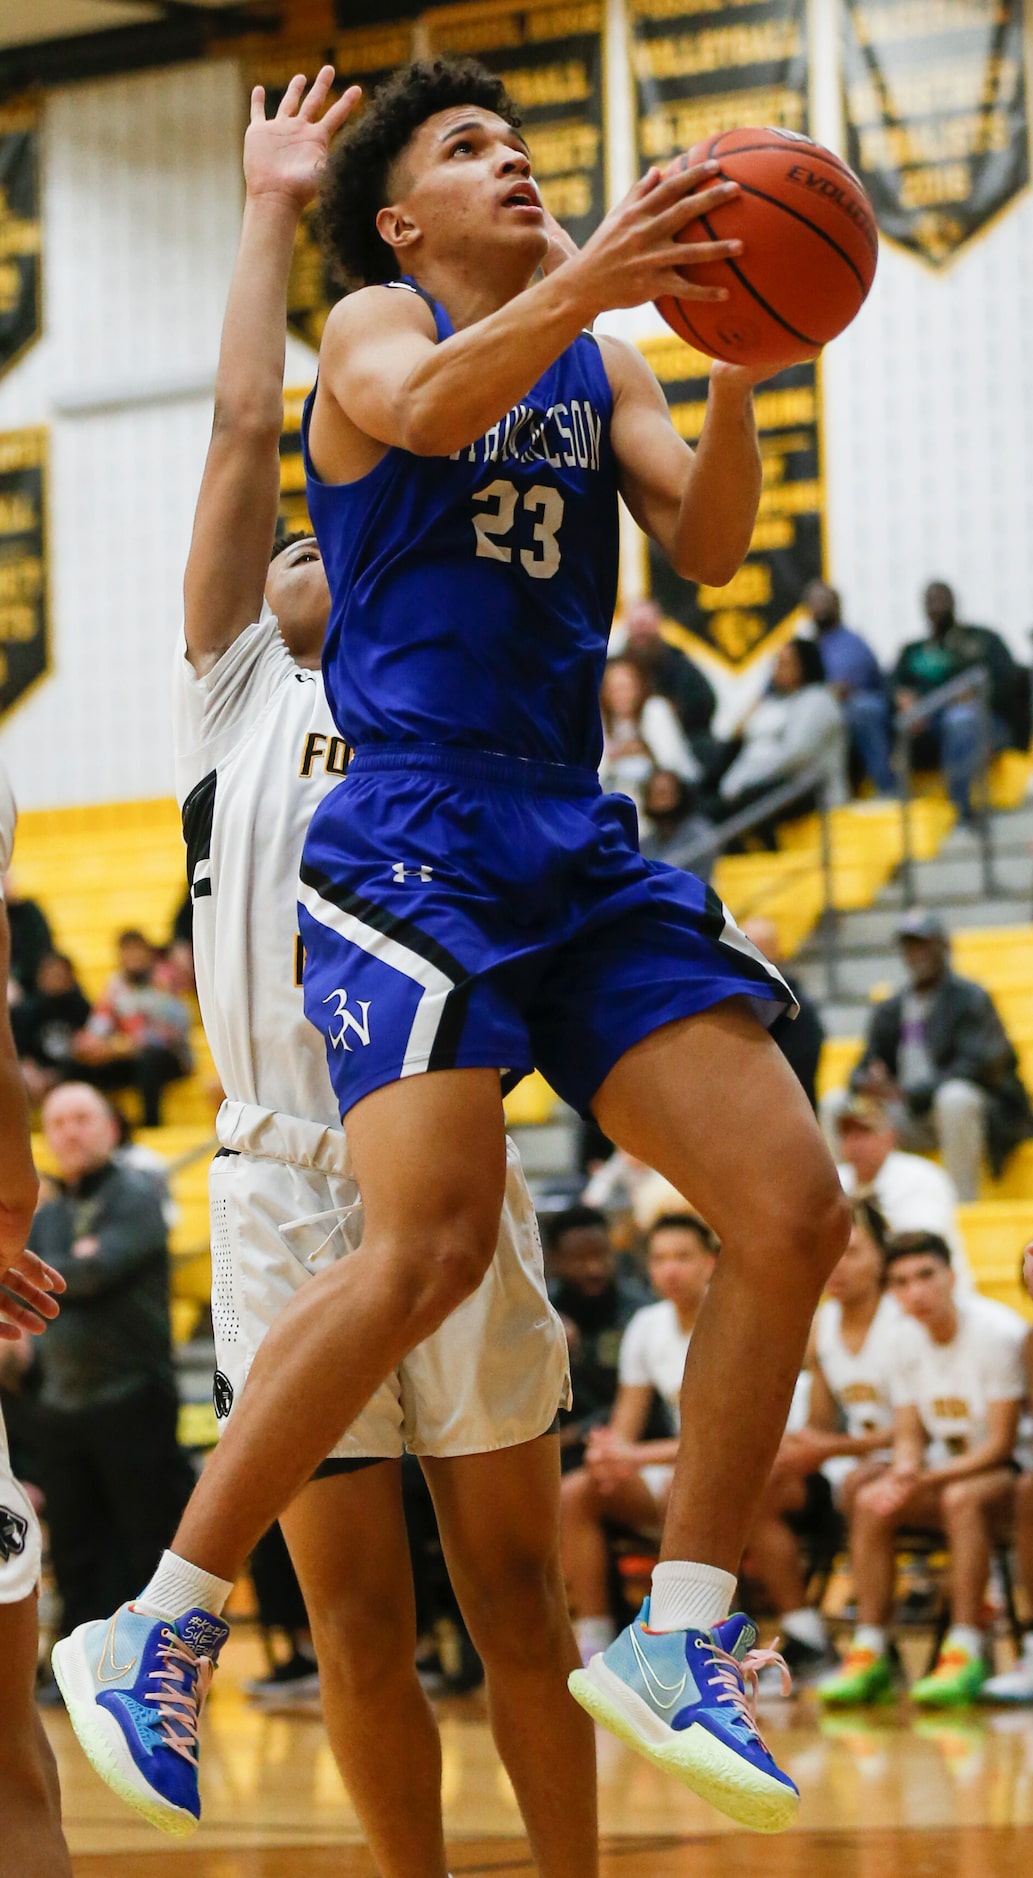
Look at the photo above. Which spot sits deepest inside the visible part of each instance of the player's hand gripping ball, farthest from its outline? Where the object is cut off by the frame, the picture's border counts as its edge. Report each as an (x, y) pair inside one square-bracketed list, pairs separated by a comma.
[(809, 254)]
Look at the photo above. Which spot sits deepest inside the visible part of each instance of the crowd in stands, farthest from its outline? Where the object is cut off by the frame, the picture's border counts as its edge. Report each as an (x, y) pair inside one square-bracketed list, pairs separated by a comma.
[(137, 1034), (828, 708)]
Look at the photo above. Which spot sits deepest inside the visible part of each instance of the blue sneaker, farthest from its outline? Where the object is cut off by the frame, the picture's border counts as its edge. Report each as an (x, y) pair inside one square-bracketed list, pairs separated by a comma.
[(685, 1699), (134, 1688)]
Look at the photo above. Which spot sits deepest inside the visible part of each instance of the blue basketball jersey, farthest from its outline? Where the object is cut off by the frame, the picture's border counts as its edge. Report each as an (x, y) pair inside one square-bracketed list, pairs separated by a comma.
[(472, 595)]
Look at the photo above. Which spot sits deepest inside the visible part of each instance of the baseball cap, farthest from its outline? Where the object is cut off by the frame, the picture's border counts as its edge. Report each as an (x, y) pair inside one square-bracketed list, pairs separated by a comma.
[(919, 923), (864, 1112)]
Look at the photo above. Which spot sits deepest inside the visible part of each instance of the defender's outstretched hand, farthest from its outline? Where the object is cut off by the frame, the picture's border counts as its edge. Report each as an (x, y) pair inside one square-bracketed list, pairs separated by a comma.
[(284, 155)]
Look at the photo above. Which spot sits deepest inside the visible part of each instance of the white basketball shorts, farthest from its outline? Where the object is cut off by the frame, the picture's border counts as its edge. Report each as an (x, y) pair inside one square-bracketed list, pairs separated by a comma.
[(494, 1375), (20, 1546)]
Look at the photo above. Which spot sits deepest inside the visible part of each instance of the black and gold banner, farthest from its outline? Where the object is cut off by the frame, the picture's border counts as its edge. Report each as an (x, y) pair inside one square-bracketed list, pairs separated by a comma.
[(20, 237), (738, 621), (698, 70), (701, 69), (293, 503), (936, 115), (24, 622), (362, 57), (552, 59)]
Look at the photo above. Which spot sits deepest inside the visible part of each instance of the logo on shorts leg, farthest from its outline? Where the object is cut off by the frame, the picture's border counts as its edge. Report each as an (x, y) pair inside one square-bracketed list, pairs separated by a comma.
[(222, 1395), (348, 1020), (400, 873), (13, 1533)]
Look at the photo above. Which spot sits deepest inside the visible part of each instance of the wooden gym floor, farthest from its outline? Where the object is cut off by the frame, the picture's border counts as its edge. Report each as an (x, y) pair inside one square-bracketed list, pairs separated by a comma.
[(886, 1795)]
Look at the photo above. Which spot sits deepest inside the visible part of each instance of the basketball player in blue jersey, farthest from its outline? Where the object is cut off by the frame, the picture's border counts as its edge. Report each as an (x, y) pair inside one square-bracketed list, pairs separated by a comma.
[(472, 905)]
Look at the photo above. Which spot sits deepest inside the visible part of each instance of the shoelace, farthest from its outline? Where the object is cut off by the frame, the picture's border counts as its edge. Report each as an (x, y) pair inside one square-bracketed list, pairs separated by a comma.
[(183, 1682), (739, 1682)]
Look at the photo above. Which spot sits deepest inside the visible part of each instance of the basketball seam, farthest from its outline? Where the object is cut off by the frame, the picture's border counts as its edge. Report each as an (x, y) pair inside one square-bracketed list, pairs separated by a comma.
[(815, 149), (698, 337), (759, 297), (750, 189)]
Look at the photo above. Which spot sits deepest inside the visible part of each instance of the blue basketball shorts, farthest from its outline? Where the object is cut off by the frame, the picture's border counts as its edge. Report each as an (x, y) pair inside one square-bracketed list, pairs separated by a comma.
[(464, 910)]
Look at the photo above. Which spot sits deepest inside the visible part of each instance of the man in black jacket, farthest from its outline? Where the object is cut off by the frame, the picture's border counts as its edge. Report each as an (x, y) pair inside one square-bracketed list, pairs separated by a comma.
[(938, 1057), (114, 1477)]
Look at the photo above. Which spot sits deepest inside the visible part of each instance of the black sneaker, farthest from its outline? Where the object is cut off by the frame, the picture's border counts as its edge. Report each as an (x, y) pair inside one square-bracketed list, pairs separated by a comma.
[(804, 1662), (298, 1669)]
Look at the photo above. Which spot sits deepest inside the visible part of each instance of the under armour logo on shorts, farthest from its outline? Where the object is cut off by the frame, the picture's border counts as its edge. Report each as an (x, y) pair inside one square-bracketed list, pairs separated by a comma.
[(13, 1533), (222, 1395), (400, 873)]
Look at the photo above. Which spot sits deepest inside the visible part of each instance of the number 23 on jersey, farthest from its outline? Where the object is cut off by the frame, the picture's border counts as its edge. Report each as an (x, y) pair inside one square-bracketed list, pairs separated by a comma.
[(497, 526)]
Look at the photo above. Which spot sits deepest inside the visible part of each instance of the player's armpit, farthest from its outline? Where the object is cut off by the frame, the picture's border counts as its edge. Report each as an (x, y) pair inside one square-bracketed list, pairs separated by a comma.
[(372, 342)]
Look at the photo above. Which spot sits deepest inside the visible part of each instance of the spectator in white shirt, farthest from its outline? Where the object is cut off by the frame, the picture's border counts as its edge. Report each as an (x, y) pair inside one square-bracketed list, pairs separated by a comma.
[(625, 1479), (959, 1368), (641, 733), (845, 1440), (912, 1194), (796, 725)]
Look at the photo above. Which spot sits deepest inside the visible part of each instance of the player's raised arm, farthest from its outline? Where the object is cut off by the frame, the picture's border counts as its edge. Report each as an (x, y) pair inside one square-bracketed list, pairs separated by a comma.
[(380, 363), (235, 520), (698, 506)]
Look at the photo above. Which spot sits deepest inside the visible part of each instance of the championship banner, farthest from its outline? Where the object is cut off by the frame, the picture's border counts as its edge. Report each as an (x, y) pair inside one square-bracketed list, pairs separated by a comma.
[(701, 69), (737, 621), (293, 515), (20, 236), (362, 57), (24, 622), (936, 116), (552, 59)]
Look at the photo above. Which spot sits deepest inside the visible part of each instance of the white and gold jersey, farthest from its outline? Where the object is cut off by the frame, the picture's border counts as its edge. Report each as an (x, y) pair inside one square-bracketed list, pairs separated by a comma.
[(256, 750)]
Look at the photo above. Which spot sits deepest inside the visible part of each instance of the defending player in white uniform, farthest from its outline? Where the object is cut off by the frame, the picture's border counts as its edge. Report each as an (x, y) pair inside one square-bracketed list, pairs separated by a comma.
[(30, 1803), (256, 750)]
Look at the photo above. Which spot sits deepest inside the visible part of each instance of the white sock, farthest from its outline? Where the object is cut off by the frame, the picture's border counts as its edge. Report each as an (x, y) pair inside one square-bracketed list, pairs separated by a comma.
[(689, 1597), (964, 1637), (870, 1637), (593, 1634), (177, 1588), (806, 1625)]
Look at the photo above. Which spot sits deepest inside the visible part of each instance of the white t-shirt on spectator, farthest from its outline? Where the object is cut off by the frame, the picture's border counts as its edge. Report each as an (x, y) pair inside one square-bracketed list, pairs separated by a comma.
[(8, 818), (860, 1381), (952, 1384), (915, 1195), (653, 1351)]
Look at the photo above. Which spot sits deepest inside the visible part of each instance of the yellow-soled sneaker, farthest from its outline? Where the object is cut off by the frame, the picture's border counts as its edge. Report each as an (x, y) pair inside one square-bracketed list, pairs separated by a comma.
[(686, 1699)]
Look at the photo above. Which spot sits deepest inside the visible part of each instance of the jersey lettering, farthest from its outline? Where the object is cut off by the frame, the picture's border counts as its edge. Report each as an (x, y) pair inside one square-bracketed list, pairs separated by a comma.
[(333, 751), (565, 437), (541, 560)]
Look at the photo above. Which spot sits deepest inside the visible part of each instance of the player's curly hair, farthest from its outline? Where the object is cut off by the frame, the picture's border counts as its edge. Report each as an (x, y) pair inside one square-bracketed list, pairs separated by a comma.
[(355, 181)]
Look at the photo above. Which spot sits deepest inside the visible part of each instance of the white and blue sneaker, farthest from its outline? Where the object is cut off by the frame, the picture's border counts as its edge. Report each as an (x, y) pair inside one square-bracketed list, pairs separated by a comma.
[(134, 1687), (686, 1700)]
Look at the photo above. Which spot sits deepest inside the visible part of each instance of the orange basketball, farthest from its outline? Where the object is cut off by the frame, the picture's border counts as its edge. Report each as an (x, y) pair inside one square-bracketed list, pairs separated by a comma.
[(809, 254)]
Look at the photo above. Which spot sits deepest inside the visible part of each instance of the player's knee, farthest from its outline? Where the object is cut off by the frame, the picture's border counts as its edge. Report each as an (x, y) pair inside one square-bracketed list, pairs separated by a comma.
[(519, 1611), (809, 1234), (361, 1650), (443, 1267)]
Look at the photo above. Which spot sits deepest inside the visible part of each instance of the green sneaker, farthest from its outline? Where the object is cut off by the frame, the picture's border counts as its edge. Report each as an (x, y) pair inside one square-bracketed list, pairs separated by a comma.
[(956, 1680), (861, 1678)]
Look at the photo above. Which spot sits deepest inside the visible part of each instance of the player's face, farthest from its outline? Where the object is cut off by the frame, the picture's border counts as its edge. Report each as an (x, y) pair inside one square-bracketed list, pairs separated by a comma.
[(680, 1268), (463, 191), (858, 1275), (923, 1287), (297, 591)]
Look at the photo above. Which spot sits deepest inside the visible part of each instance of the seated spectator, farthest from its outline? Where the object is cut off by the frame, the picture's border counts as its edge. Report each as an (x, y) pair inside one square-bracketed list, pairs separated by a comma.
[(950, 739), (627, 1477), (672, 827), (623, 1184), (596, 1302), (640, 733), (844, 1442), (114, 1477), (30, 939), (1015, 1686), (939, 1059), (46, 1023), (796, 726), (799, 1039), (670, 672), (138, 1034), (911, 1192), (853, 675), (959, 1379)]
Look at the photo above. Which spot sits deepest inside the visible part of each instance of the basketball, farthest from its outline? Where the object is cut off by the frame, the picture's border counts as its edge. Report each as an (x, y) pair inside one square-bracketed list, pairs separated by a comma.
[(809, 254)]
